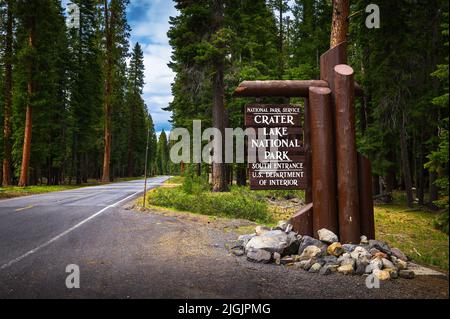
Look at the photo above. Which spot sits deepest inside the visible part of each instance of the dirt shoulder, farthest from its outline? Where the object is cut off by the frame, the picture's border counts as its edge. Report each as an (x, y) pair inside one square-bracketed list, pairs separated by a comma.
[(195, 248)]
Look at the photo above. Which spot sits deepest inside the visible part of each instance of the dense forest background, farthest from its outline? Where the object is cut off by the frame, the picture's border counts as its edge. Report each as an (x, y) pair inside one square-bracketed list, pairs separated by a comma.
[(71, 97), (403, 67), (71, 94)]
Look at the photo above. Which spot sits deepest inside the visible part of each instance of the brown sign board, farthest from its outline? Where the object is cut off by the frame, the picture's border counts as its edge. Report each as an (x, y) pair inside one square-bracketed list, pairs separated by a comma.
[(276, 152), (278, 175)]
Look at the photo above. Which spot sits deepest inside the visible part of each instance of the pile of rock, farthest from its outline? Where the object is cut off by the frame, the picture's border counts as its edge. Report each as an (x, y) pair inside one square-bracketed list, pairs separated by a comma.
[(325, 255)]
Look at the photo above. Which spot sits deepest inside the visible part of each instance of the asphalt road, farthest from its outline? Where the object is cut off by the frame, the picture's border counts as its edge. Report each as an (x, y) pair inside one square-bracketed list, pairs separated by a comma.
[(34, 225), (125, 253)]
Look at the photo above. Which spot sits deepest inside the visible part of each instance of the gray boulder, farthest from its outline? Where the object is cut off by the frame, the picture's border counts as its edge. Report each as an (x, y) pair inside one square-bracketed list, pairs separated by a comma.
[(310, 252), (330, 260), (309, 241), (315, 268), (360, 253), (243, 240), (346, 269), (260, 230), (277, 258), (286, 260), (348, 248), (374, 264), (361, 268), (284, 226), (259, 256), (364, 240), (237, 251), (274, 241), (387, 264), (327, 236), (346, 259), (328, 269), (399, 254), (381, 246), (406, 274), (304, 264)]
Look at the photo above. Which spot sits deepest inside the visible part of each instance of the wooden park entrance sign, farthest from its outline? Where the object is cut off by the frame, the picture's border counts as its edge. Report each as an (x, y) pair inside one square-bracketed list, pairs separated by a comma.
[(337, 180), (276, 153)]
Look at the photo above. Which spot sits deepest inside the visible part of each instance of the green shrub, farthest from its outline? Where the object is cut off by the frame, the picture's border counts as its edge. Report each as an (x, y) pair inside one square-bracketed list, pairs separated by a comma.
[(441, 222), (232, 204), (195, 184)]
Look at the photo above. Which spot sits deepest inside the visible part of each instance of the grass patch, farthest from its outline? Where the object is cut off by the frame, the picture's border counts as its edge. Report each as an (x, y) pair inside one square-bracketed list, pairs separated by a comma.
[(412, 231), (175, 180), (15, 191), (193, 194), (231, 204)]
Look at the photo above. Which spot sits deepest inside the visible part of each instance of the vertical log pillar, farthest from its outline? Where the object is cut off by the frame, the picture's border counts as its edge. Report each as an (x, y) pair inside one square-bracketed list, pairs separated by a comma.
[(346, 156), (323, 181), (302, 221), (307, 147), (366, 213)]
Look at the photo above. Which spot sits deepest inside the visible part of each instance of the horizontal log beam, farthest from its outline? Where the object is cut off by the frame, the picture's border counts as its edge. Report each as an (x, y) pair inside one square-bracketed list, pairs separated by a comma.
[(280, 88)]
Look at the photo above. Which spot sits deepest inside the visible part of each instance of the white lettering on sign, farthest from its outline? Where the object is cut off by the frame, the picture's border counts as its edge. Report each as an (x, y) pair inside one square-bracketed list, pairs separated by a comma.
[(274, 119)]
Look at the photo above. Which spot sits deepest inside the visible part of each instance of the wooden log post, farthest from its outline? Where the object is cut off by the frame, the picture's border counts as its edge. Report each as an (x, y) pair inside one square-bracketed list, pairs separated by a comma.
[(308, 154), (297, 88), (302, 221), (366, 212), (346, 155), (323, 180)]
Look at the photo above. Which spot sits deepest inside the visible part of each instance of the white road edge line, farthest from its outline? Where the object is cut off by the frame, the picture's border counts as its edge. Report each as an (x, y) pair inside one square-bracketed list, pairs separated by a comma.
[(16, 260), (73, 189)]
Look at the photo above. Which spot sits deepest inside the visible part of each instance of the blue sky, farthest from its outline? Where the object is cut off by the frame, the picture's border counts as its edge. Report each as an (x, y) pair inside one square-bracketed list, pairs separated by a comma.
[(149, 20)]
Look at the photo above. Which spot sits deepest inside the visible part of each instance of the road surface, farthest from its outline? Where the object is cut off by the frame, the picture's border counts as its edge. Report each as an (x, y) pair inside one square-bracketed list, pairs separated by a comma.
[(124, 253), (33, 226)]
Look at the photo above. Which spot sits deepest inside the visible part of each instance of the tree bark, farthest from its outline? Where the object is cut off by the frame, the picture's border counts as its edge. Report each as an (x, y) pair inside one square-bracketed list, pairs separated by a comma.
[(376, 185), (405, 163), (130, 164), (280, 44), (339, 26), (218, 111), (434, 190), (108, 92), (241, 175), (420, 193), (23, 181), (8, 98)]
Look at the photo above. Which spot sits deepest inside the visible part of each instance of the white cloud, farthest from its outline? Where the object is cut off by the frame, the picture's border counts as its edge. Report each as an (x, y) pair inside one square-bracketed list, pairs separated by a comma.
[(150, 22)]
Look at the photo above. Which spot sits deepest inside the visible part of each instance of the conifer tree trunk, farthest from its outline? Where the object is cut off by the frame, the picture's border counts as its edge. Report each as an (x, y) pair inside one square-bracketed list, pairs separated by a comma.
[(405, 163), (23, 181), (108, 92), (280, 44), (130, 162), (219, 172), (8, 98), (339, 26)]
